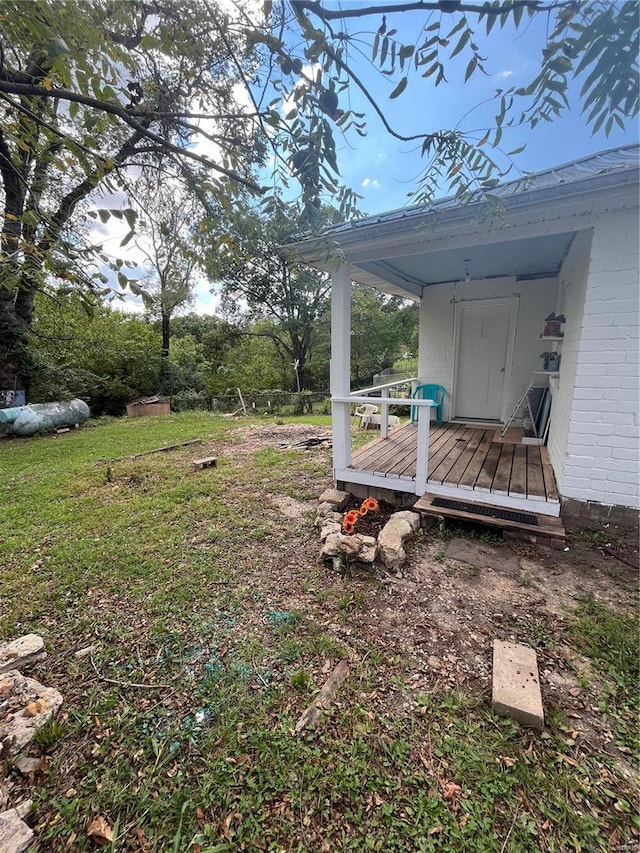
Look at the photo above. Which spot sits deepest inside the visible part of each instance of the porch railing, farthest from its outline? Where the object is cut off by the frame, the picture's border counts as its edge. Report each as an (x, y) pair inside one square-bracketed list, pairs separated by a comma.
[(341, 418)]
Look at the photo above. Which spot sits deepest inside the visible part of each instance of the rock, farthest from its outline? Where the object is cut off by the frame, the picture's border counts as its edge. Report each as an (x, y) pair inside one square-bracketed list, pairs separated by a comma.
[(483, 556), (28, 765), (324, 510), (357, 547), (331, 546), (15, 835), (21, 653), (412, 518), (328, 528), (29, 706), (336, 498), (393, 537)]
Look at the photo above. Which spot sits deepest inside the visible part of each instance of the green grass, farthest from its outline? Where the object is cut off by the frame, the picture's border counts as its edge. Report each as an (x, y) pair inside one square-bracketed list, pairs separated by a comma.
[(610, 640), (211, 624)]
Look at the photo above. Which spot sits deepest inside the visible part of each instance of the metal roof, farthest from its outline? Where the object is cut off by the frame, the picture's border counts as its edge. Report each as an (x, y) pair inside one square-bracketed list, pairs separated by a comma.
[(527, 236), (592, 166)]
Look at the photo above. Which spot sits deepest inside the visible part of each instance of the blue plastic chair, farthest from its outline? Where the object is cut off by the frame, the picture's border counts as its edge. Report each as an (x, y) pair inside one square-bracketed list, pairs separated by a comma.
[(429, 392)]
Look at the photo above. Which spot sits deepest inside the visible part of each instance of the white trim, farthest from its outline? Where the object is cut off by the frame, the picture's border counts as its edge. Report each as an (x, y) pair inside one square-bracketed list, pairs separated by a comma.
[(398, 484), (393, 401), (367, 478), (441, 238), (340, 365), (507, 501), (513, 303)]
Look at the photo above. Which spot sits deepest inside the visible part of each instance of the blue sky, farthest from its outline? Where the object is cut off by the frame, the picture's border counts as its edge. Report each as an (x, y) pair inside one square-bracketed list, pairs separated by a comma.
[(384, 170)]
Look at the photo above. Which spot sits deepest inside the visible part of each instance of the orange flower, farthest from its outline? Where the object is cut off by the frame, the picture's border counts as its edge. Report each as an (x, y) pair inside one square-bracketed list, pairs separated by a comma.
[(348, 527), (351, 516), (369, 504)]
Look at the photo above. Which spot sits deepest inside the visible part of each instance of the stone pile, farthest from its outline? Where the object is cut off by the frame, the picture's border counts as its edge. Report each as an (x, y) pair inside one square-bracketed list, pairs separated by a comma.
[(25, 706), (389, 548)]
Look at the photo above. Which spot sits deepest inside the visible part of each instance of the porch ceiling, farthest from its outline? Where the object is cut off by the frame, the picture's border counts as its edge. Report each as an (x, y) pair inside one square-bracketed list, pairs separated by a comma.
[(527, 257)]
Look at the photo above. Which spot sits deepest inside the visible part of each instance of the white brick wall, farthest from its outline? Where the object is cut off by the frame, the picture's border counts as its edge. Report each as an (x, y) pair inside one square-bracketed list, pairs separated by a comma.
[(594, 440)]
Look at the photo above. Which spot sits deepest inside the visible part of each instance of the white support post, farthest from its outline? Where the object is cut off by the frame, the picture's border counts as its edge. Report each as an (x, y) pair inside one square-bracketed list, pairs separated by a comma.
[(340, 368), (384, 420), (423, 342), (422, 461)]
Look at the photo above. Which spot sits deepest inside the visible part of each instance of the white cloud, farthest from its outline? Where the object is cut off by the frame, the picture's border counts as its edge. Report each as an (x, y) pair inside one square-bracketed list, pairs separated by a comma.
[(374, 183), (504, 74)]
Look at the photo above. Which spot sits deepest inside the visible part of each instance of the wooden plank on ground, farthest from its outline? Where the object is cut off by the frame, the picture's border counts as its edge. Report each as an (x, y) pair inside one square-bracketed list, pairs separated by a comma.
[(518, 481), (456, 472), (484, 480), (503, 471), (165, 449), (324, 698), (535, 477), (468, 479), (549, 477)]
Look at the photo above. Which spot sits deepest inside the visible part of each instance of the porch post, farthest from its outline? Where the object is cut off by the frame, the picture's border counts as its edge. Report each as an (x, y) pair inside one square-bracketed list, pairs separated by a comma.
[(422, 459), (340, 367), (423, 343)]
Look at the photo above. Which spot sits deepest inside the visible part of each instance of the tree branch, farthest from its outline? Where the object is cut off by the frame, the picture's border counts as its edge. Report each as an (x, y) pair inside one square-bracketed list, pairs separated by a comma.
[(316, 8), (28, 90)]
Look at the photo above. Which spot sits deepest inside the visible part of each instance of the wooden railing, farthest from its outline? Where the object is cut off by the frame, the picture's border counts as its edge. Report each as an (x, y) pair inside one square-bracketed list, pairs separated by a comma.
[(342, 443)]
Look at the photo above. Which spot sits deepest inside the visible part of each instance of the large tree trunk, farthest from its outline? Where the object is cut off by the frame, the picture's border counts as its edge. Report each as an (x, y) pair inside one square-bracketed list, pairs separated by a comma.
[(15, 363)]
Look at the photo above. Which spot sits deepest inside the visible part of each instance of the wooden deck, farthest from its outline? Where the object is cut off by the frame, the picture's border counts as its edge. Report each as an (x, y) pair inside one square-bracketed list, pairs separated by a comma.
[(465, 458)]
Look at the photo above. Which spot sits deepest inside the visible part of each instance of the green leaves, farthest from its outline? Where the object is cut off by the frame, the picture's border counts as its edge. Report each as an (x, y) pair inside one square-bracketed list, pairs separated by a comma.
[(56, 47), (399, 89)]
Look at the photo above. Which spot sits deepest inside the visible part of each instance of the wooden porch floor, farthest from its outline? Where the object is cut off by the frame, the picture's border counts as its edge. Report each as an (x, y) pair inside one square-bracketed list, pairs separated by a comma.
[(464, 457)]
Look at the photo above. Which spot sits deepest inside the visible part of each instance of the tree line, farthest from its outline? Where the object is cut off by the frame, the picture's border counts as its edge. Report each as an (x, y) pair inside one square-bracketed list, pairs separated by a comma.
[(110, 357)]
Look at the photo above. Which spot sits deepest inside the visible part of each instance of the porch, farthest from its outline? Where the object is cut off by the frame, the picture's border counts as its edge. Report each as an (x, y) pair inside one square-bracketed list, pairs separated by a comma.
[(468, 463)]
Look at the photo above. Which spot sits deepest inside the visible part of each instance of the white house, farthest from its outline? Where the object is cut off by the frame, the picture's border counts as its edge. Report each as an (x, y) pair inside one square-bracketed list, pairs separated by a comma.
[(486, 275)]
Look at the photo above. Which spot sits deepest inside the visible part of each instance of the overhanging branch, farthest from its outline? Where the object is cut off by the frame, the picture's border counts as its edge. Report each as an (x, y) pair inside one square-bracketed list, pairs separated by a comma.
[(33, 91)]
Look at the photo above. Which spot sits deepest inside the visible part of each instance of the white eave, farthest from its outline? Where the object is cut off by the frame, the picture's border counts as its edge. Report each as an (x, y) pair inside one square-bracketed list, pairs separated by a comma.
[(404, 251)]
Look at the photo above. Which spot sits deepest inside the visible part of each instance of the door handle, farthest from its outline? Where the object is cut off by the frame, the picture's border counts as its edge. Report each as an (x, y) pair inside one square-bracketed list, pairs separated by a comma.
[(502, 370)]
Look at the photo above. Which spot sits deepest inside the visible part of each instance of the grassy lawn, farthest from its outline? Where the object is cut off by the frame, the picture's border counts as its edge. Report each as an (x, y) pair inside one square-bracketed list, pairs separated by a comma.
[(210, 623)]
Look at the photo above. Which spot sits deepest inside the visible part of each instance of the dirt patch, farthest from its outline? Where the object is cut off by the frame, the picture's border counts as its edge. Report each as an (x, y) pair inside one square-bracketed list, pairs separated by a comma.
[(248, 439)]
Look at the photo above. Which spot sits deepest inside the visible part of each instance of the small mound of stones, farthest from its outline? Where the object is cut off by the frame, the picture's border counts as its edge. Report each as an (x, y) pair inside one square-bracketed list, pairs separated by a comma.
[(388, 548), (25, 706)]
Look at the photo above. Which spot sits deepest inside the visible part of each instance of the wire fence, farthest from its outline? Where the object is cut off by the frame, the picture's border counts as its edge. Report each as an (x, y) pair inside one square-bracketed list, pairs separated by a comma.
[(272, 402)]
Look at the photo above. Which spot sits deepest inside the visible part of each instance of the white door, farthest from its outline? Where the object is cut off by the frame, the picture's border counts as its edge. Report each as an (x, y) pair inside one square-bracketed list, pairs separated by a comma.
[(483, 337)]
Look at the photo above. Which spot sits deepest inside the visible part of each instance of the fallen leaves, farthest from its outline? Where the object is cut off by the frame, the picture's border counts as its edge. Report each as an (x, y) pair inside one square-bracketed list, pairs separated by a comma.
[(100, 832)]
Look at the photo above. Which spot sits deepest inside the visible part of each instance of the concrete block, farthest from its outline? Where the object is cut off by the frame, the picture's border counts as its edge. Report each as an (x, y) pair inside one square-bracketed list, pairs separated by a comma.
[(516, 684), (207, 462)]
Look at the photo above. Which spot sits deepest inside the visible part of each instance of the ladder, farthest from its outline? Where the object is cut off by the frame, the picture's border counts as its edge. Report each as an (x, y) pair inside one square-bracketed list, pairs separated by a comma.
[(523, 399)]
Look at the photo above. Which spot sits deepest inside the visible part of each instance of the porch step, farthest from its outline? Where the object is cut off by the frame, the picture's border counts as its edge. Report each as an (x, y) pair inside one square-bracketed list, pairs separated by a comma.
[(543, 529)]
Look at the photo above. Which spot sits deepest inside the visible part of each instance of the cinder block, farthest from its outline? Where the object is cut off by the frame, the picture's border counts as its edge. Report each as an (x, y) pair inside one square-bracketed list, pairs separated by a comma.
[(516, 684), (207, 462)]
